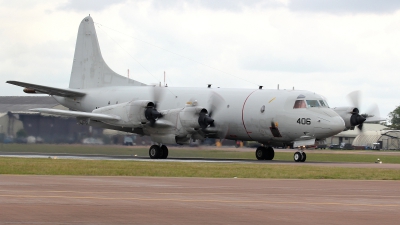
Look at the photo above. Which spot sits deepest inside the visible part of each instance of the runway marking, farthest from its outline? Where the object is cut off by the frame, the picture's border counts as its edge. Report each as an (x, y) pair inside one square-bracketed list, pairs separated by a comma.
[(200, 193), (205, 200)]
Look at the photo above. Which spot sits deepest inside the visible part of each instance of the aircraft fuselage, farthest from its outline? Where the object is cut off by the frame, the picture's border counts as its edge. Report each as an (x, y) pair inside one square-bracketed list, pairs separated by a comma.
[(261, 115)]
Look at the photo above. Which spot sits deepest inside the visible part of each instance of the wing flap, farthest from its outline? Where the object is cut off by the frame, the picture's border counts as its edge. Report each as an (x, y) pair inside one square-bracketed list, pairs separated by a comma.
[(49, 90), (95, 116)]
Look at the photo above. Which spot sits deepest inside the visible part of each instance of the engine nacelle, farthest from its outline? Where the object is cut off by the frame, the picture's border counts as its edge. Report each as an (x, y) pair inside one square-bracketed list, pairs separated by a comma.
[(131, 113), (183, 123), (189, 118)]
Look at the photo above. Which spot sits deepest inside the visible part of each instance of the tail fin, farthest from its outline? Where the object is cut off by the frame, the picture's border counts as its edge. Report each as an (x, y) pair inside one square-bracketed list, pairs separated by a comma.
[(89, 69)]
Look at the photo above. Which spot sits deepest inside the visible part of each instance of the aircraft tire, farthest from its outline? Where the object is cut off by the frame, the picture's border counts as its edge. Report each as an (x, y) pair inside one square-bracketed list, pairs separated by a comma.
[(164, 152), (261, 153), (270, 153), (297, 156), (303, 157), (155, 152)]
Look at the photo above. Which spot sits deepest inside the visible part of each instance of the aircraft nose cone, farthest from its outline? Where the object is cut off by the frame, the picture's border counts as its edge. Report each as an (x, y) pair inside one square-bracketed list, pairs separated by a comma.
[(337, 124)]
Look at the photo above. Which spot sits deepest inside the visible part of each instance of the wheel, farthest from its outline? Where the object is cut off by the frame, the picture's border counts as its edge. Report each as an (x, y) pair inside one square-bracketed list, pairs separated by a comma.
[(261, 153), (297, 156), (164, 152), (155, 152), (270, 154), (303, 157)]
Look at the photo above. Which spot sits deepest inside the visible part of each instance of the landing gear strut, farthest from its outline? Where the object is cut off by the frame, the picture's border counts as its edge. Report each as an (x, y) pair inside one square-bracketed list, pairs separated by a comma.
[(300, 156), (265, 153), (158, 152)]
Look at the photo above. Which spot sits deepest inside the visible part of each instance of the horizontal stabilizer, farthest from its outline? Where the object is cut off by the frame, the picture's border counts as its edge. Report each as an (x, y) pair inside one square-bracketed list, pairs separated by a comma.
[(49, 90), (95, 116)]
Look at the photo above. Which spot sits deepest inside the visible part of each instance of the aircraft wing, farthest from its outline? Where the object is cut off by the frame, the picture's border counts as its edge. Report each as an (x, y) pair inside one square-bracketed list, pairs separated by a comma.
[(374, 119), (95, 116), (49, 90)]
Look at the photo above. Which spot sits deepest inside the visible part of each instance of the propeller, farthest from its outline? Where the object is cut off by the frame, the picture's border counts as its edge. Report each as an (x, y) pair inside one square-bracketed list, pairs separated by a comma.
[(205, 120), (151, 112), (206, 117), (358, 119)]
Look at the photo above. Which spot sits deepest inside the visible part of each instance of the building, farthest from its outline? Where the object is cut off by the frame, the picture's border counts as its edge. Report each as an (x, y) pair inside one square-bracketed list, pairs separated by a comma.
[(349, 136), (17, 122), (383, 139)]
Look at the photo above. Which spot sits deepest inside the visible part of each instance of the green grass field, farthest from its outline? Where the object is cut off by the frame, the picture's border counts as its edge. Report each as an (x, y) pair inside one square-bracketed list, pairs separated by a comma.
[(188, 152), (182, 169), (185, 169)]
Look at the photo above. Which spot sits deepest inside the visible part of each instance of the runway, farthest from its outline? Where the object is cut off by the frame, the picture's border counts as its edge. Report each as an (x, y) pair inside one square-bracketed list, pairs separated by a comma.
[(151, 200), (200, 160)]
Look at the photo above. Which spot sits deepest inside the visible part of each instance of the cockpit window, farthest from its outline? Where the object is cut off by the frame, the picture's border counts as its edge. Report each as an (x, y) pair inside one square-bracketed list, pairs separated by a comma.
[(322, 103), (312, 103), (299, 104)]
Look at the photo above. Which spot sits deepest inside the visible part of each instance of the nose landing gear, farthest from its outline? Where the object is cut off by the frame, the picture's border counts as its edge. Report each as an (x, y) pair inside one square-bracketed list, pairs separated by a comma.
[(265, 153)]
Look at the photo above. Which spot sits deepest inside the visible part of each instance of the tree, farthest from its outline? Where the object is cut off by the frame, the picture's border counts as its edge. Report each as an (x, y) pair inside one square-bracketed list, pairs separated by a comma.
[(21, 133), (394, 117)]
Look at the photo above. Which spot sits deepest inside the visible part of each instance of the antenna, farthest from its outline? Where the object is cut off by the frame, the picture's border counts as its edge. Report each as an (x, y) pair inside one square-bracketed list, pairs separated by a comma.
[(278, 86), (128, 73), (164, 78)]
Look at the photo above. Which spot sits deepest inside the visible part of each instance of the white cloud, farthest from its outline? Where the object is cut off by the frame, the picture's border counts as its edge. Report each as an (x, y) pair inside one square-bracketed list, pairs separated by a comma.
[(329, 53), (89, 5), (345, 6)]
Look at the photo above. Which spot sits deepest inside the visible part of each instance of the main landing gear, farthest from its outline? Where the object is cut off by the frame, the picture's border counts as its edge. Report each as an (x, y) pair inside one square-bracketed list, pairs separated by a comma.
[(265, 153), (158, 152), (300, 156)]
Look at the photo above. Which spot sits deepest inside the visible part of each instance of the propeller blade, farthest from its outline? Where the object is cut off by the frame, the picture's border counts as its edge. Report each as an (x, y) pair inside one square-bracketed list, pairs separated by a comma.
[(360, 127), (158, 93), (373, 111), (354, 98), (151, 112), (223, 131), (215, 103)]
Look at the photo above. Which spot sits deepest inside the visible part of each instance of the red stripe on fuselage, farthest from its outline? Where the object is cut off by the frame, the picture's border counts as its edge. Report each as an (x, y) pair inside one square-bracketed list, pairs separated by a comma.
[(244, 103)]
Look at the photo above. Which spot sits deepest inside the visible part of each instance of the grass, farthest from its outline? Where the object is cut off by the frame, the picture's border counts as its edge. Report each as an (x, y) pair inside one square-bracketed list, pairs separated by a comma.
[(178, 169), (188, 152), (185, 169)]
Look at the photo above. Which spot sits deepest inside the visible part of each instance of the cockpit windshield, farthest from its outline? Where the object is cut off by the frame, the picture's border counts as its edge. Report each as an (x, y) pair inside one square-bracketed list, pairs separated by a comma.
[(299, 104), (324, 103), (310, 104)]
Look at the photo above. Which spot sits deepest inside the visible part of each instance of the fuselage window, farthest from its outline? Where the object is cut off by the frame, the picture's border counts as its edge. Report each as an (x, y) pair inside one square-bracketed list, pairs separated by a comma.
[(299, 104), (312, 103)]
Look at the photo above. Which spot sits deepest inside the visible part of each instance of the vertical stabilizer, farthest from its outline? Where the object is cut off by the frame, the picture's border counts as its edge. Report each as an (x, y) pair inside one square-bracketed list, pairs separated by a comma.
[(89, 69)]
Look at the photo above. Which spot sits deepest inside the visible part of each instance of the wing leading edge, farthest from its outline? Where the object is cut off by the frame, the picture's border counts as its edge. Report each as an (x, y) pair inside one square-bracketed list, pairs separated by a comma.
[(95, 116), (49, 90)]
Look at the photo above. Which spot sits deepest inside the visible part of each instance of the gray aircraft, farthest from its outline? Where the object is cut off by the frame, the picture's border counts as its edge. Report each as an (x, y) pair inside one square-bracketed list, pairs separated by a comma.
[(97, 96)]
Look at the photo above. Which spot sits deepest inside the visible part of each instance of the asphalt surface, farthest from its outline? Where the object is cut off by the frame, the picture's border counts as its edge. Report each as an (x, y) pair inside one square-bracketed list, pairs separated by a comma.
[(28, 199)]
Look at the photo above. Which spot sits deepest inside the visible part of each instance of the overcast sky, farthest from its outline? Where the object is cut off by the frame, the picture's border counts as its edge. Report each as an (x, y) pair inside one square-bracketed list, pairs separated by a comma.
[(329, 47)]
